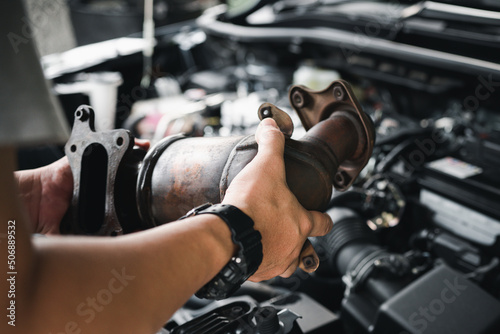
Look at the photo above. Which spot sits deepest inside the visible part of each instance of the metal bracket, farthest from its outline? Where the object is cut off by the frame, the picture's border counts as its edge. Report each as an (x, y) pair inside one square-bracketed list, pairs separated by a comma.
[(283, 120), (316, 106), (94, 158)]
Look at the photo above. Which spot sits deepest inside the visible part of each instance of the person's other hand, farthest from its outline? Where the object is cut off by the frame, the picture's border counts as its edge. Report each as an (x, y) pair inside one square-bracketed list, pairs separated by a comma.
[(46, 193), (260, 190)]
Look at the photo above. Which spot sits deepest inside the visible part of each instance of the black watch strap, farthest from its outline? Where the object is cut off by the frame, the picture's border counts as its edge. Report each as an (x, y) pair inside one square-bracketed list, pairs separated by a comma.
[(245, 263)]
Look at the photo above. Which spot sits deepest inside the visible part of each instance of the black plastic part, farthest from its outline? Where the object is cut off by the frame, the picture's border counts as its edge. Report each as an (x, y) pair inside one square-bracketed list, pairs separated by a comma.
[(477, 192), (222, 320), (240, 316), (348, 229), (267, 320), (349, 257), (442, 301), (456, 252)]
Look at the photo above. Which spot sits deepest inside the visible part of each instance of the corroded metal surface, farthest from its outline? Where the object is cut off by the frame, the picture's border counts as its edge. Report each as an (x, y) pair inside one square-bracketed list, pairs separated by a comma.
[(337, 145), (185, 174), (282, 118), (119, 191), (314, 107)]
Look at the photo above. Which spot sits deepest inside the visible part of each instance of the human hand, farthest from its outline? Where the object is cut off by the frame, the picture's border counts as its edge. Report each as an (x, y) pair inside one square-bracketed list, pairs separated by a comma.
[(46, 193), (260, 190)]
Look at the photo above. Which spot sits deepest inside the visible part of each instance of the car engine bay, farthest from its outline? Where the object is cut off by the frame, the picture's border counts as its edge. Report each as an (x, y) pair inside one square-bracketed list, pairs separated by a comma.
[(415, 244)]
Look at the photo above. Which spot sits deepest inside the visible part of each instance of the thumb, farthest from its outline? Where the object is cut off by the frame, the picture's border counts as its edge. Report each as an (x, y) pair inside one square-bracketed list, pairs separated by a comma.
[(321, 223), (270, 139)]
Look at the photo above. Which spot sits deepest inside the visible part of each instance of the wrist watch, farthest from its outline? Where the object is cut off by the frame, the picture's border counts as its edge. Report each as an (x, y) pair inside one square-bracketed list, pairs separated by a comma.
[(248, 258)]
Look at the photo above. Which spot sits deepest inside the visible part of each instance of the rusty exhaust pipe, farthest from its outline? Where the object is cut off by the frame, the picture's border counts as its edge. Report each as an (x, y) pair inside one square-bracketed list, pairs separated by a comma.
[(180, 173), (118, 190)]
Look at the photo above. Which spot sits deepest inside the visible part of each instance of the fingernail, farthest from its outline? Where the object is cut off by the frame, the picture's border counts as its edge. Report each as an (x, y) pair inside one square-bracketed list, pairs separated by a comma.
[(269, 122)]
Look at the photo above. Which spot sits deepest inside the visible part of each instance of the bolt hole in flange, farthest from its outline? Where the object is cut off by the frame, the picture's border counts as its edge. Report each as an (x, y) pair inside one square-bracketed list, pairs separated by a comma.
[(73, 148), (338, 93), (299, 100), (266, 113), (81, 114), (119, 141), (339, 178)]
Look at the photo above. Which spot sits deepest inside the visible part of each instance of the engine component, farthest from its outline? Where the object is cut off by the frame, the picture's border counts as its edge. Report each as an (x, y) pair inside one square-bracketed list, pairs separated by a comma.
[(180, 173), (456, 252), (352, 251), (104, 166), (241, 317), (256, 309), (387, 292), (440, 301), (444, 193)]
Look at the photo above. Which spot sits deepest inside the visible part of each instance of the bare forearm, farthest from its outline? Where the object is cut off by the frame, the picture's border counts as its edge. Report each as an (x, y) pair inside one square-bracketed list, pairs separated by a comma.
[(15, 246), (132, 283), (46, 193)]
